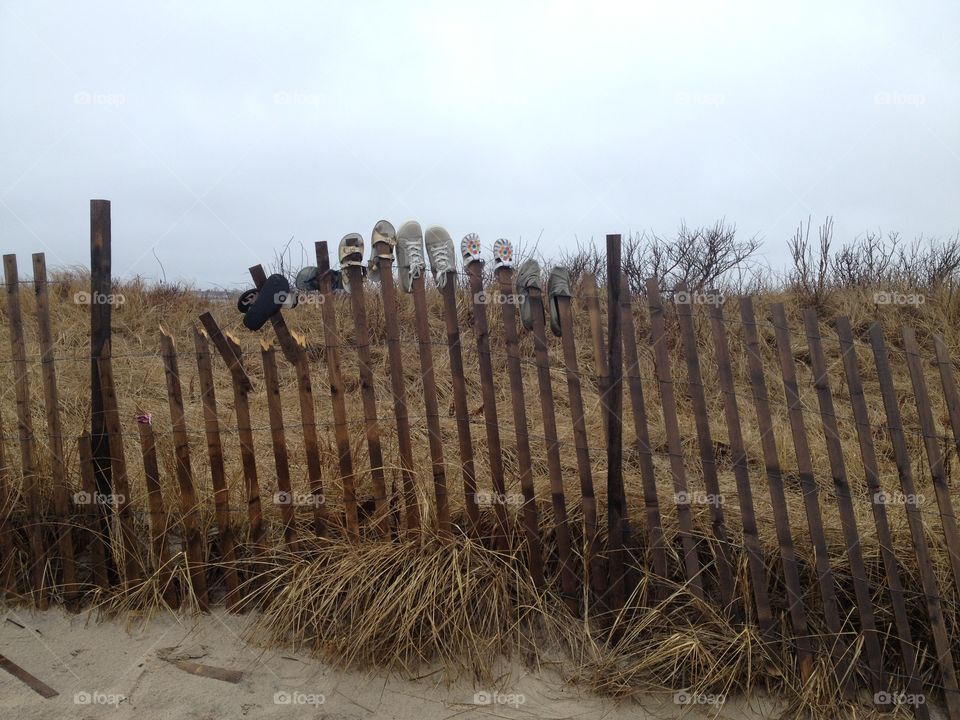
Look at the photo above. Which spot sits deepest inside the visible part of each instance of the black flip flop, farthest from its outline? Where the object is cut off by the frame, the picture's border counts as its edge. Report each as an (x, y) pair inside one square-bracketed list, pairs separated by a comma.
[(269, 300), (246, 299)]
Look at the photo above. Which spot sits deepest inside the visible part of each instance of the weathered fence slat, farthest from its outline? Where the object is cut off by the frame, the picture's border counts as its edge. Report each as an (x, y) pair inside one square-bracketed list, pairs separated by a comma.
[(934, 602), (618, 534), (159, 519), (331, 339), (94, 516), (591, 299), (831, 432), (481, 329), (741, 473), (28, 454), (708, 460), (181, 456), (284, 497), (8, 549), (388, 292), (531, 525), (868, 455), (132, 570), (778, 498), (651, 503), (658, 340), (218, 473), (294, 350), (839, 648), (460, 407), (568, 578), (948, 518), (51, 397), (368, 396), (593, 559), (434, 436), (229, 349)]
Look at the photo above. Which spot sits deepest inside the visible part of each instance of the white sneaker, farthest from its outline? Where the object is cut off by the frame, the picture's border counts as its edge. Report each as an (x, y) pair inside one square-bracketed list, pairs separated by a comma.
[(502, 253), (440, 251), (410, 262), (470, 249)]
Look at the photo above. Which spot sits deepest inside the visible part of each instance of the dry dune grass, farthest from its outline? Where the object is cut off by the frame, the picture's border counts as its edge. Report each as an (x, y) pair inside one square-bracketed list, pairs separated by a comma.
[(407, 603)]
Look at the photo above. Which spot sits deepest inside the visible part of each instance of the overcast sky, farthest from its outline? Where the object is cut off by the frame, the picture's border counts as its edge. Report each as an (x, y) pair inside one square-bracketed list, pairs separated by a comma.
[(220, 130)]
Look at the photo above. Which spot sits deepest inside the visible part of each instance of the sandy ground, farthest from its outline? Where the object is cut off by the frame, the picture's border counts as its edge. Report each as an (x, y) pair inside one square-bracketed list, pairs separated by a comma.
[(109, 670)]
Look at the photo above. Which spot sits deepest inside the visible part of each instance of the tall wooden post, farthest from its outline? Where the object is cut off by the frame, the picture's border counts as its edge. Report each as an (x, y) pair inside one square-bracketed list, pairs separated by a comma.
[(100, 330), (613, 410)]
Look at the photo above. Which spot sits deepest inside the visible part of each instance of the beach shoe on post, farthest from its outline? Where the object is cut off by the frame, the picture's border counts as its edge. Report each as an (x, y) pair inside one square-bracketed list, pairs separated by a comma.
[(383, 234), (557, 286), (502, 254), (470, 249), (307, 279), (351, 255), (441, 252), (246, 299), (410, 262), (271, 297), (528, 276)]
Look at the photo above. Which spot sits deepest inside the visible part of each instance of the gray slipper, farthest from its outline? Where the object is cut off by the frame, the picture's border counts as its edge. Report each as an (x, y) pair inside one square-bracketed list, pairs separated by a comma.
[(307, 279), (557, 286), (440, 250), (410, 262), (528, 276)]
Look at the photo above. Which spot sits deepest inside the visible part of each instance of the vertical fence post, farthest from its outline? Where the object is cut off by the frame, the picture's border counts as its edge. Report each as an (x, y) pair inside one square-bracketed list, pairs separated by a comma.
[(568, 579), (284, 497), (294, 349), (488, 393), (435, 438), (384, 255), (531, 525), (181, 449), (831, 431), (368, 397), (218, 474), (8, 549), (658, 339), (460, 407), (331, 339), (651, 502), (751, 539), (58, 465), (708, 460), (159, 519), (229, 350), (100, 330), (778, 497), (934, 599), (839, 648), (95, 520), (31, 481), (948, 518), (617, 520), (132, 570), (593, 560), (592, 299), (868, 454)]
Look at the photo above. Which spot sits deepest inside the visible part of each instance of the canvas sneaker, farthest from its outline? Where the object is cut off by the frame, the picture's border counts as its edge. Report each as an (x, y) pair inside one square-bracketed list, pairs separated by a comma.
[(410, 262), (441, 253)]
